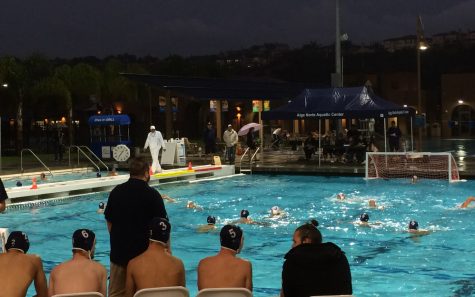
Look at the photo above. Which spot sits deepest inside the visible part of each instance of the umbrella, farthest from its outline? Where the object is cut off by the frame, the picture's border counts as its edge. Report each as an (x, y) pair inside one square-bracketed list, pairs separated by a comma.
[(245, 129)]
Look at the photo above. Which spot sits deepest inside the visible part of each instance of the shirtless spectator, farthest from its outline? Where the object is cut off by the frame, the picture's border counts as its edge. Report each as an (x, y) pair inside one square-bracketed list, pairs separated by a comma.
[(18, 270), (80, 274), (155, 267), (225, 270)]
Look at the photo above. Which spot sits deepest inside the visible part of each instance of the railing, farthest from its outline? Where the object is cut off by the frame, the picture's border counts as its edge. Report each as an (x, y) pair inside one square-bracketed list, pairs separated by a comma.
[(37, 158), (85, 155), (95, 156), (251, 159)]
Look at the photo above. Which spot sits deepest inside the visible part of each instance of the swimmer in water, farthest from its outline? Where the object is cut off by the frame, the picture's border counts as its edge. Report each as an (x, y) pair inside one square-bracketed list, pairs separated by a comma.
[(413, 228), (19, 184), (245, 219), (113, 172), (467, 202), (192, 205), (211, 226), (168, 199), (364, 221), (414, 179), (372, 204), (340, 196), (101, 208), (43, 176), (276, 212)]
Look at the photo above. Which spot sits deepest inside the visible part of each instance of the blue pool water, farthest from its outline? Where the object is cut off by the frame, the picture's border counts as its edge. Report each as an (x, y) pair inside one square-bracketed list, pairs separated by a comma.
[(57, 177), (384, 261)]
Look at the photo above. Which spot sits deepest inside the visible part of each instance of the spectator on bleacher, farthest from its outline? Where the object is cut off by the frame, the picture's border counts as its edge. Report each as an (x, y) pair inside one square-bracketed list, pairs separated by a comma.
[(80, 274), (314, 268), (309, 145), (394, 134), (226, 270), (155, 267), (18, 270)]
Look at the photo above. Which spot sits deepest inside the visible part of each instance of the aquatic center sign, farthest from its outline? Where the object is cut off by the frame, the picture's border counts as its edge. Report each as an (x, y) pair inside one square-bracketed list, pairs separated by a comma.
[(320, 115)]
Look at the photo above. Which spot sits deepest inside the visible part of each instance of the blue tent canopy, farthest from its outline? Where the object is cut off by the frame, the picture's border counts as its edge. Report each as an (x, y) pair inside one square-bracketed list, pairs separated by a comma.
[(358, 102), (106, 120)]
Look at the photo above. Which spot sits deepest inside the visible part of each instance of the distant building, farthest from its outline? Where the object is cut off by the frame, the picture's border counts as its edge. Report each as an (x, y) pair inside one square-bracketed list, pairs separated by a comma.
[(400, 43)]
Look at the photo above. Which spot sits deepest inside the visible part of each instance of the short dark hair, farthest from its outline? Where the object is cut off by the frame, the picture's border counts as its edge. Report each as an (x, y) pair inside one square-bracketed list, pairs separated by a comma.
[(309, 231), (138, 166)]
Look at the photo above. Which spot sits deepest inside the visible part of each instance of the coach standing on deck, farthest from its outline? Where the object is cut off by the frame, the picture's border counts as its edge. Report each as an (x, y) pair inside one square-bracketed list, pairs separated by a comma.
[(130, 208), (155, 142)]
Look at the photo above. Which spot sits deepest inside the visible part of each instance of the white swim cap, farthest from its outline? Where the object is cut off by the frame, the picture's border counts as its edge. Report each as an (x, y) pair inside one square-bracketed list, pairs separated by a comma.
[(152, 127), (275, 210)]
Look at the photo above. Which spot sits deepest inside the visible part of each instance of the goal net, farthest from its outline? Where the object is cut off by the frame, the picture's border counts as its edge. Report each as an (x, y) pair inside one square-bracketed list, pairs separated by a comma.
[(409, 164)]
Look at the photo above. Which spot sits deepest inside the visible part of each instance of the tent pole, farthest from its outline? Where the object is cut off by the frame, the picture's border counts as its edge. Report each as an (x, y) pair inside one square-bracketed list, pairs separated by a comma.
[(385, 147), (412, 137), (319, 140)]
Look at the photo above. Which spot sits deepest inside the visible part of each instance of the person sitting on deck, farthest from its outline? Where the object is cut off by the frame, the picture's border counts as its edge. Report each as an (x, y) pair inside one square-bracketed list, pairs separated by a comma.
[(226, 270), (18, 270), (155, 267), (80, 274)]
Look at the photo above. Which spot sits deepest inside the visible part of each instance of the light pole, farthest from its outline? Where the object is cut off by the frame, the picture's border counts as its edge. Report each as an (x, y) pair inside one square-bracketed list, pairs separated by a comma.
[(420, 46), (337, 78)]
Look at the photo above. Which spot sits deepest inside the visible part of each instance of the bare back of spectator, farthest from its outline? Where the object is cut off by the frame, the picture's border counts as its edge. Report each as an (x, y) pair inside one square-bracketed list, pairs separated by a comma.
[(155, 267), (81, 273), (225, 270), (18, 270)]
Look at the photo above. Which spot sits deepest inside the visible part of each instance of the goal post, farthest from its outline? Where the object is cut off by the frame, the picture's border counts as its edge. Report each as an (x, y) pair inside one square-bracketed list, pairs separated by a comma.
[(409, 164)]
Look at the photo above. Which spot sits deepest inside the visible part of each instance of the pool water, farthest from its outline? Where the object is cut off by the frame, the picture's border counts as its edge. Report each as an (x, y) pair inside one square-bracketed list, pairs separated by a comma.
[(385, 260), (57, 177)]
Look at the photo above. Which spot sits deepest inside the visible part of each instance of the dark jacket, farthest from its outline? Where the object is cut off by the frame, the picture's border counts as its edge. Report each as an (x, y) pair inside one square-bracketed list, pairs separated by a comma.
[(316, 269)]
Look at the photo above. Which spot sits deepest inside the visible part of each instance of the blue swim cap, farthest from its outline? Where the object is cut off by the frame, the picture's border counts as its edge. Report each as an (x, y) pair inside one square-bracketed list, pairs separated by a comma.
[(244, 213), (160, 230), (83, 239), (211, 220), (364, 217), (230, 237), (98, 174), (19, 241), (413, 225)]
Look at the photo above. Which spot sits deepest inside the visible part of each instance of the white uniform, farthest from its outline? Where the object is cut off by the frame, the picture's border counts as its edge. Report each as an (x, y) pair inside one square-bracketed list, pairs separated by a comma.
[(155, 142)]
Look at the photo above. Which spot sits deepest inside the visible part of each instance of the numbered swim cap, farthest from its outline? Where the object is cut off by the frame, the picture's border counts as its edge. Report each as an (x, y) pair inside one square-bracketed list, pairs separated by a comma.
[(18, 240), (160, 230), (230, 236), (364, 217), (413, 225), (244, 213), (275, 210), (211, 220), (83, 240)]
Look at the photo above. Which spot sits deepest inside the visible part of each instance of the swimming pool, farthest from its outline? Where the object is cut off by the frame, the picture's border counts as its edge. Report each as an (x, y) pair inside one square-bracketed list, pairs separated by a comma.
[(10, 182), (384, 261)]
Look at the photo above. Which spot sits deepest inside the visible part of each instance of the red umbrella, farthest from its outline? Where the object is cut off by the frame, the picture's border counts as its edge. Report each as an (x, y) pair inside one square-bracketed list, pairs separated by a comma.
[(245, 129)]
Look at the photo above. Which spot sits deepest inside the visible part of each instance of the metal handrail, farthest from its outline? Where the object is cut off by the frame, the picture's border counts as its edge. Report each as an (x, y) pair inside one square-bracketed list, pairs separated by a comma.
[(242, 157), (85, 155), (95, 156), (252, 158), (37, 158)]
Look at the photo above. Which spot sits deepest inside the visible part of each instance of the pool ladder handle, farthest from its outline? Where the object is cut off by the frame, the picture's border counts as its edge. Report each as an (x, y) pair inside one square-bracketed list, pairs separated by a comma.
[(95, 156), (37, 158), (250, 161), (85, 155)]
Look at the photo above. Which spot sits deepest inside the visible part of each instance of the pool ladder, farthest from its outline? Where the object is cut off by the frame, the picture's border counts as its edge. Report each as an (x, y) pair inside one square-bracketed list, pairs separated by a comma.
[(251, 161), (37, 158), (80, 149)]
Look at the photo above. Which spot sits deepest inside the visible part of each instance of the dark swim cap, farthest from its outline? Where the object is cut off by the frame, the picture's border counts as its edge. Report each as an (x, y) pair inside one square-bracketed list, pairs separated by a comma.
[(364, 217), (83, 239), (19, 241), (101, 205), (230, 237), (314, 222), (211, 220), (19, 184), (413, 225), (244, 213), (160, 230)]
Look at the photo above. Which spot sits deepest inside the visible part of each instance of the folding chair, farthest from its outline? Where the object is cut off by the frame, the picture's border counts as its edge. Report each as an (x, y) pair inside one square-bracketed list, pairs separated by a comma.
[(225, 292), (85, 294), (163, 292)]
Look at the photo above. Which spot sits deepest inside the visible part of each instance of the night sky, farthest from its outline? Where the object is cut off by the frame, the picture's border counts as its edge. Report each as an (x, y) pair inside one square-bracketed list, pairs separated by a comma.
[(72, 28)]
